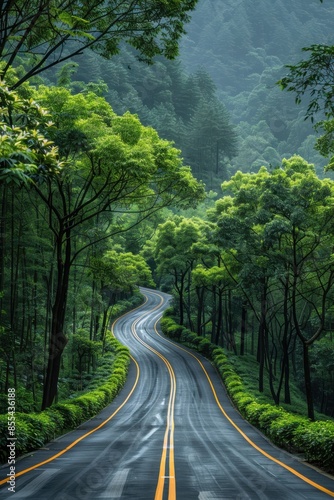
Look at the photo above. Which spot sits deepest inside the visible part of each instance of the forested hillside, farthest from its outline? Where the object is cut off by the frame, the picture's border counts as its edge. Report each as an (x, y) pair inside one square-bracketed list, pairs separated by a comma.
[(231, 58), (244, 46)]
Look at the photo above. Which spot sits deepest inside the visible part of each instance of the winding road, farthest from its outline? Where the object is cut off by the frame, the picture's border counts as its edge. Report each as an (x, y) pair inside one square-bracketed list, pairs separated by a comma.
[(171, 433)]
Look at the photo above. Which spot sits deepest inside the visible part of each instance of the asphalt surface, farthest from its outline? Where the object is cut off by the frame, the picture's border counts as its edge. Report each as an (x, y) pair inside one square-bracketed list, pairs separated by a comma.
[(171, 433)]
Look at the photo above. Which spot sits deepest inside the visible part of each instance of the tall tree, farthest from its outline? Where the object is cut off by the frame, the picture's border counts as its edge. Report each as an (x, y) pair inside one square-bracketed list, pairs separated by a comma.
[(212, 138), (115, 166), (26, 156)]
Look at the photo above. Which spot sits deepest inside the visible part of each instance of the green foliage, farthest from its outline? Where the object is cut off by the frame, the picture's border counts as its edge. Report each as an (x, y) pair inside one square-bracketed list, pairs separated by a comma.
[(170, 328), (205, 347), (283, 429), (269, 126), (292, 432), (121, 272), (117, 173), (35, 429), (22, 434), (313, 76), (183, 108), (317, 441), (269, 416), (25, 153), (71, 413), (152, 29)]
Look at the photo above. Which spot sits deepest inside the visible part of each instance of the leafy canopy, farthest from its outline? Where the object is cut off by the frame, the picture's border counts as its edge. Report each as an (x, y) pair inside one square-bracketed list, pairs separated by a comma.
[(44, 33), (313, 77), (25, 152)]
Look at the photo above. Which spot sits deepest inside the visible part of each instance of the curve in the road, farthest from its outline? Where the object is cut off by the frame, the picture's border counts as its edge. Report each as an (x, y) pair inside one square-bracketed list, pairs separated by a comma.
[(74, 443), (164, 442), (168, 443)]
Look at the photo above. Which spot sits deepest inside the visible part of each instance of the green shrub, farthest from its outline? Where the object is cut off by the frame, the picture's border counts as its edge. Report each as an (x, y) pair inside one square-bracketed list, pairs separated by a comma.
[(42, 427), (188, 337), (268, 416), (218, 351), (72, 414), (204, 347), (175, 331), (219, 359), (234, 386), (168, 312), (316, 440), (254, 410), (283, 429), (242, 400), (22, 435), (166, 324)]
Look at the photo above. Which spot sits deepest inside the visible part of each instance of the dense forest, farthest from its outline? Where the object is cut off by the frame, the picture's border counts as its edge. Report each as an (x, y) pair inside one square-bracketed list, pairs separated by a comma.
[(195, 174), (231, 58)]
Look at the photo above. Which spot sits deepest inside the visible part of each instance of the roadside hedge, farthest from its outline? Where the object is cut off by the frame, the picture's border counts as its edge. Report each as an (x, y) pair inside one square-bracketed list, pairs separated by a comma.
[(33, 430), (315, 440)]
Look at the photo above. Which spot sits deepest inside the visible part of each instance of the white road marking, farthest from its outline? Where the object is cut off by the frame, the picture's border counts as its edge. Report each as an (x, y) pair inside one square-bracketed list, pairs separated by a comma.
[(35, 484), (266, 468), (152, 431), (207, 495), (116, 485), (159, 418)]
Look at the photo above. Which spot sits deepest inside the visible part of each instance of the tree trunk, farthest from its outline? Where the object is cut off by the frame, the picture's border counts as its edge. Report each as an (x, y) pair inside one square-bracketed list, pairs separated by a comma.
[(58, 340), (200, 310), (219, 334), (287, 395), (308, 384), (214, 316), (261, 337), (285, 343), (243, 327), (3, 188)]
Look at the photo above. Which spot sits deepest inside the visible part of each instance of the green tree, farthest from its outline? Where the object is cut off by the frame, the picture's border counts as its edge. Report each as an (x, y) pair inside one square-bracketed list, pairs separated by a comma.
[(313, 77), (26, 156), (282, 232), (212, 139), (175, 255), (118, 173), (41, 34), (25, 152), (118, 273)]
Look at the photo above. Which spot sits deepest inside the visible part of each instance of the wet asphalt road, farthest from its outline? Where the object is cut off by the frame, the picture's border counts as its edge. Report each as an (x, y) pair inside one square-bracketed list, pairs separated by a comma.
[(173, 435)]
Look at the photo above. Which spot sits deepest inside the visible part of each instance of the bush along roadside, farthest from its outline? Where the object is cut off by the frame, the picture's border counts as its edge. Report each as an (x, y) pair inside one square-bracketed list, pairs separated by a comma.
[(314, 440), (33, 430)]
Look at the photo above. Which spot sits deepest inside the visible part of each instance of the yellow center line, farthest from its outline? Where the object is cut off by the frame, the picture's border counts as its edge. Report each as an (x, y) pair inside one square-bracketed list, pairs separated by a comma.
[(168, 442), (255, 446)]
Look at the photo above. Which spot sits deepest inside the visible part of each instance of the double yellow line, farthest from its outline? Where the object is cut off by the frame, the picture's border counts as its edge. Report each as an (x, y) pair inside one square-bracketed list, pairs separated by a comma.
[(168, 443)]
